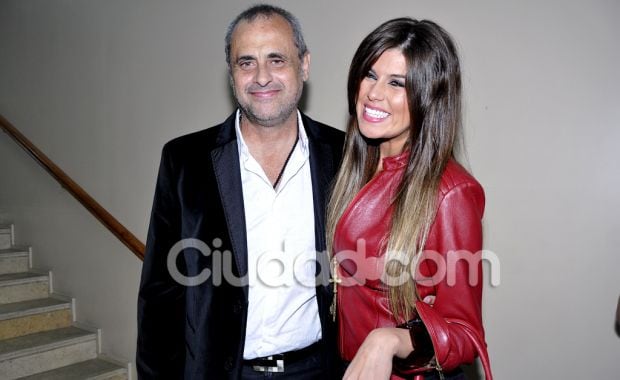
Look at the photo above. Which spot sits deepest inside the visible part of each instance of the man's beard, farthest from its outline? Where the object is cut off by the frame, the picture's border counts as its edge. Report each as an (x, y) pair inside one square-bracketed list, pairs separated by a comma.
[(276, 118)]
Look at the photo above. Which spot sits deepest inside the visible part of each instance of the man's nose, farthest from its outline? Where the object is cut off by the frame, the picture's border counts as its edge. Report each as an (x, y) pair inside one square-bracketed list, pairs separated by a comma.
[(263, 74)]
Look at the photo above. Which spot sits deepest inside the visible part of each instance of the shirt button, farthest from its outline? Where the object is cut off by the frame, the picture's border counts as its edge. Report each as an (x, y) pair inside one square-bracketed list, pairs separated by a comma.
[(237, 307), (228, 364)]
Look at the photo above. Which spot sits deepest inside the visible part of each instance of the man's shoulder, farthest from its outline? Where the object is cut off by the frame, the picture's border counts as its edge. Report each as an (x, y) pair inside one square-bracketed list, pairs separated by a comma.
[(323, 132), (198, 138), (204, 140)]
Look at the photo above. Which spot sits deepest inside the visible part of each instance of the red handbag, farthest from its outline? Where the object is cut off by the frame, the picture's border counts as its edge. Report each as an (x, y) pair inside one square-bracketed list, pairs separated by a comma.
[(437, 328)]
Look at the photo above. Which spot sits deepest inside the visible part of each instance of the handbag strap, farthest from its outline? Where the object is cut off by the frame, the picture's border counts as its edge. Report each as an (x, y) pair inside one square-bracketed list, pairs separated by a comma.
[(484, 357), (480, 348)]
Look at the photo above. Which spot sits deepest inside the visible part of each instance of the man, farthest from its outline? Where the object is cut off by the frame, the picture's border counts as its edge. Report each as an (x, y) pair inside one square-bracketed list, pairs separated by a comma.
[(251, 192)]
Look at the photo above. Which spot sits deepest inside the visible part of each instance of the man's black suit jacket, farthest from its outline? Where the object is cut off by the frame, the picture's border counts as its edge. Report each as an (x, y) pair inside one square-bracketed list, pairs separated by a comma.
[(198, 332)]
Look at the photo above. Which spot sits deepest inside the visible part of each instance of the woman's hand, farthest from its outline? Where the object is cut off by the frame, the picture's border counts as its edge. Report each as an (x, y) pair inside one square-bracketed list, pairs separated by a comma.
[(374, 357), (429, 300), (373, 360)]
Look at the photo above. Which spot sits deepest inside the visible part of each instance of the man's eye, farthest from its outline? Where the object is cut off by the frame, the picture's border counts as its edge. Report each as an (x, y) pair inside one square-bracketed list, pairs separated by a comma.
[(245, 64), (277, 62)]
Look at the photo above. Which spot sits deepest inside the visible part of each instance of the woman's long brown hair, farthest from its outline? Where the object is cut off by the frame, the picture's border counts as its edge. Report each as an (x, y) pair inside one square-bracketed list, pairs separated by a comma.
[(433, 85)]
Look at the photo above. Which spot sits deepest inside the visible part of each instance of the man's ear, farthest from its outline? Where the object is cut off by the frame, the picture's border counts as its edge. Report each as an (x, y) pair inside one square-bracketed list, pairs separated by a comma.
[(305, 66)]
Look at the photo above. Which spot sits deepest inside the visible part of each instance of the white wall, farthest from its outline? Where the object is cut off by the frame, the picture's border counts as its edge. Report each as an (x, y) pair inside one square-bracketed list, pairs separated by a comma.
[(101, 85)]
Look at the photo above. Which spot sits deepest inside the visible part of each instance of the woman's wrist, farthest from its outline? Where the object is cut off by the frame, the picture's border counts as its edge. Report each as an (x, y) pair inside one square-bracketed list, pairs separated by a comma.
[(398, 340), (405, 346)]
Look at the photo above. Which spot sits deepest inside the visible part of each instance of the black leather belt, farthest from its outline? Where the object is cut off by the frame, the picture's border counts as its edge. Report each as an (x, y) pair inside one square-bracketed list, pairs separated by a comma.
[(276, 363)]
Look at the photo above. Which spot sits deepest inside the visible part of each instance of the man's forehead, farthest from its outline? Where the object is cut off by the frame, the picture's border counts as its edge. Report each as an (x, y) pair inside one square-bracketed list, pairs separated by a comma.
[(263, 30), (265, 19)]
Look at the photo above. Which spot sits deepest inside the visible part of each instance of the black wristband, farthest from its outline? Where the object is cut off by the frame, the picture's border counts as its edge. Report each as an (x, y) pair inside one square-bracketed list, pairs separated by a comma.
[(423, 351)]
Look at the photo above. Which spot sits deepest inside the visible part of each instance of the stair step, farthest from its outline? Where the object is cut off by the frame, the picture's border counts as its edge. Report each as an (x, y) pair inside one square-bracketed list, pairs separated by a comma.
[(14, 260), (37, 338), (35, 353), (28, 317), (5, 236), (16, 287), (95, 369)]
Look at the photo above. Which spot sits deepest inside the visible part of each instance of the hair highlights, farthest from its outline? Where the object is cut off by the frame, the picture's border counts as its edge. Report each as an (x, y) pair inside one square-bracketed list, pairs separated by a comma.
[(433, 85)]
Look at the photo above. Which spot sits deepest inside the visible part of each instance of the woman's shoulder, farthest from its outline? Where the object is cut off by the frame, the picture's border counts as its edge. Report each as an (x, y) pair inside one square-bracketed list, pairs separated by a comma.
[(459, 190), (456, 176)]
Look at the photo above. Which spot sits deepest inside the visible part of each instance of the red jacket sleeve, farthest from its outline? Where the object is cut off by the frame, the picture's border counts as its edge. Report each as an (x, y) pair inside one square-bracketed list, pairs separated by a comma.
[(451, 270)]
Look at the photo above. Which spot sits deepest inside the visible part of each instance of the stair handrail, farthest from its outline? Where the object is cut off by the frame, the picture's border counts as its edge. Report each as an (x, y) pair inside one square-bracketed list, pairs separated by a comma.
[(109, 221)]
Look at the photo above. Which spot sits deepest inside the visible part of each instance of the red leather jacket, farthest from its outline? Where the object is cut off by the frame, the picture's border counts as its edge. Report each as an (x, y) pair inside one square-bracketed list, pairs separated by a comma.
[(362, 298)]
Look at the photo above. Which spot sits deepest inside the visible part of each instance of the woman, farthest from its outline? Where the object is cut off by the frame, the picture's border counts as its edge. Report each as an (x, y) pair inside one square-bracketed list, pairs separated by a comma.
[(401, 201)]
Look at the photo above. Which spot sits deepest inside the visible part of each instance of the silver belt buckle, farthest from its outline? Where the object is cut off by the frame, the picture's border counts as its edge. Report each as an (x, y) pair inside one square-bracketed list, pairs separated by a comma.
[(279, 367)]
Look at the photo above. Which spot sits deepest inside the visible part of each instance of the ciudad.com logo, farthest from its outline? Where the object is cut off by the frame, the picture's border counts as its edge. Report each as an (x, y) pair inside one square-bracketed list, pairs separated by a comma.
[(280, 268)]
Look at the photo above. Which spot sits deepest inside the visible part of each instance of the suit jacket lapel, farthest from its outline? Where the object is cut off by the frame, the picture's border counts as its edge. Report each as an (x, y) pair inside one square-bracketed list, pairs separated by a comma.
[(321, 169), (227, 173)]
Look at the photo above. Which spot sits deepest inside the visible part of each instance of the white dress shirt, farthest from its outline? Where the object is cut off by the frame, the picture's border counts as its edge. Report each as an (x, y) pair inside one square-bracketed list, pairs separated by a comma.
[(283, 312)]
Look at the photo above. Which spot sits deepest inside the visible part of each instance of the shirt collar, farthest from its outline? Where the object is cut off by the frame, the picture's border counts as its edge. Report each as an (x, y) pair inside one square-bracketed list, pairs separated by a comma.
[(244, 152)]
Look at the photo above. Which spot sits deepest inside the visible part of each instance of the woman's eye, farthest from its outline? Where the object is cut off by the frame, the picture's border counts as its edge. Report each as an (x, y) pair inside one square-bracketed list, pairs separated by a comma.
[(397, 83), (371, 75)]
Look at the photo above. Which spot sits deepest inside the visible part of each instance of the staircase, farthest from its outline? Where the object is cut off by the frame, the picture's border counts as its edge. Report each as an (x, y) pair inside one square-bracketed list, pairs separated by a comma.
[(39, 338)]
